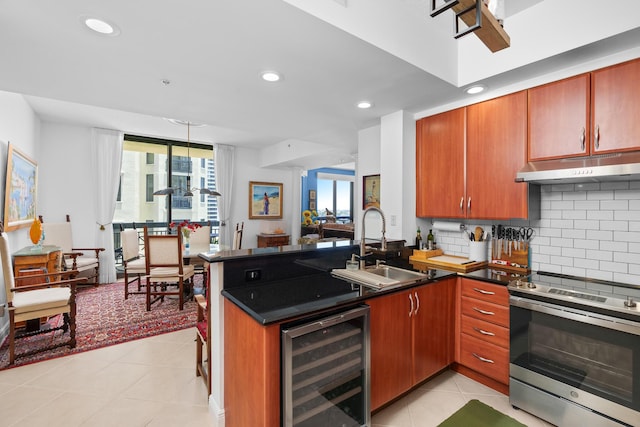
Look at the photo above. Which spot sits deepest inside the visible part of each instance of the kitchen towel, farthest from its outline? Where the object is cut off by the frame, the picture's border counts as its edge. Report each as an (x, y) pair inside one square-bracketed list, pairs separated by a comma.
[(448, 226)]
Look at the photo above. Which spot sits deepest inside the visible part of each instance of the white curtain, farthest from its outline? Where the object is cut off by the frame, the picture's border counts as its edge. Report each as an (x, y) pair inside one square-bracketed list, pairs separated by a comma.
[(106, 159), (224, 164)]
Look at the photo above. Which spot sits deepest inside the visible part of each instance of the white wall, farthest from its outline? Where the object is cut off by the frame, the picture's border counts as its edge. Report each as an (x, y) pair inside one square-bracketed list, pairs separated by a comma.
[(19, 126), (247, 168), (368, 163)]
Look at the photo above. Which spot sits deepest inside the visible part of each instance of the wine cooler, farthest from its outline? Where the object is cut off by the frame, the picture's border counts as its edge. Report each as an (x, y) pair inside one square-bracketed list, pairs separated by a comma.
[(325, 368)]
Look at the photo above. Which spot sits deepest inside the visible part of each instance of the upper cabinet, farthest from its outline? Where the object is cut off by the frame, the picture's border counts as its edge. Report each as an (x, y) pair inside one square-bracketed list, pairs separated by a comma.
[(559, 119), (440, 169), (615, 104), (467, 159), (587, 114)]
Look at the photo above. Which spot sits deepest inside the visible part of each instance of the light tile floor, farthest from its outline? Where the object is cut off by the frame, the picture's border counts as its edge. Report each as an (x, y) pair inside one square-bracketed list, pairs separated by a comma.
[(152, 382)]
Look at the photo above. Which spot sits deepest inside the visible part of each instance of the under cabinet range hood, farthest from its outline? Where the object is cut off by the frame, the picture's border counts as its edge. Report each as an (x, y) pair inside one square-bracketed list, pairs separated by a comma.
[(598, 168)]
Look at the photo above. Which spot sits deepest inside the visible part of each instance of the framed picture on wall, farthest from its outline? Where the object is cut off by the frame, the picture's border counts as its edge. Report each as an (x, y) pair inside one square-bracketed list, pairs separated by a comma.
[(312, 205), (20, 190), (312, 195), (265, 200), (370, 191)]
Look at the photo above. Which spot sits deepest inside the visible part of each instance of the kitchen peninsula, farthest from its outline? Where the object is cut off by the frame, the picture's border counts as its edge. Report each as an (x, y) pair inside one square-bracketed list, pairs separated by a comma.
[(255, 292)]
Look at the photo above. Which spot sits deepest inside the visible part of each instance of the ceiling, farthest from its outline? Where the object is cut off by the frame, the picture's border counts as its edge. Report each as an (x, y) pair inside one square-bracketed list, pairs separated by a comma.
[(201, 60)]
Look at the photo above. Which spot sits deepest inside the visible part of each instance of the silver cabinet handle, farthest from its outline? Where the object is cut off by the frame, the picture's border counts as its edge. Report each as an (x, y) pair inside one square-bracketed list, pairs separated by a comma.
[(597, 136), (417, 303), (482, 359), (488, 313), (461, 202), (483, 332), (482, 291), (469, 204), (582, 138), (411, 309)]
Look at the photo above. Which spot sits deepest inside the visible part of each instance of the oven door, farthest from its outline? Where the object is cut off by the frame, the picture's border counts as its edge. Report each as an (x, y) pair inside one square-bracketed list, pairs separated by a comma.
[(591, 359)]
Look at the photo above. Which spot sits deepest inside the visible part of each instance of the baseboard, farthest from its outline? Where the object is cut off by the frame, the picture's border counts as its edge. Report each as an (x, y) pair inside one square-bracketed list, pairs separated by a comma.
[(217, 412), (482, 379)]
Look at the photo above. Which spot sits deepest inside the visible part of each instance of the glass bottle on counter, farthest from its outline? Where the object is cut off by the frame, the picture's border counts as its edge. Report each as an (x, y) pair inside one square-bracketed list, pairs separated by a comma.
[(418, 239), (431, 241)]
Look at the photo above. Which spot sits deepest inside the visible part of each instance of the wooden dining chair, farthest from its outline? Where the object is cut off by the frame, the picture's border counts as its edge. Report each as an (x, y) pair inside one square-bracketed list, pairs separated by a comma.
[(134, 265), (37, 301), (165, 266), (237, 236), (203, 342), (200, 241)]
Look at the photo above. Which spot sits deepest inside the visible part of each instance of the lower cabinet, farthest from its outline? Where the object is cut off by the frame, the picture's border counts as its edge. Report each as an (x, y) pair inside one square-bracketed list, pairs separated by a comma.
[(484, 331), (412, 338)]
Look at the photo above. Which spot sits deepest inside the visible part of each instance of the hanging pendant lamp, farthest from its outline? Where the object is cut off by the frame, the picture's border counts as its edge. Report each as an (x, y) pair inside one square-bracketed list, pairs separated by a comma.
[(189, 191)]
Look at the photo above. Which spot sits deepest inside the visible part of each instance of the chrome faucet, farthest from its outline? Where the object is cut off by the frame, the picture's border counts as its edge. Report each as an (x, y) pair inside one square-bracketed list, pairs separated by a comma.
[(384, 230)]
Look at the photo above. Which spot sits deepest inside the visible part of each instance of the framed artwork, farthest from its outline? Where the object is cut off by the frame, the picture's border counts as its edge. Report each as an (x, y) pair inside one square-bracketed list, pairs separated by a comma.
[(370, 191), (312, 194), (312, 205), (265, 200), (20, 190)]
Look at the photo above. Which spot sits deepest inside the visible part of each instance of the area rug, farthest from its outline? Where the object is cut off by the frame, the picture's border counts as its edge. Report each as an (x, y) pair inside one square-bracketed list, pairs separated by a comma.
[(477, 414), (105, 318)]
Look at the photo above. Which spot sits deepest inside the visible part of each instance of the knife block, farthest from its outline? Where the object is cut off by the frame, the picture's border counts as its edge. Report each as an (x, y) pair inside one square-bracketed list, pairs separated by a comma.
[(517, 260)]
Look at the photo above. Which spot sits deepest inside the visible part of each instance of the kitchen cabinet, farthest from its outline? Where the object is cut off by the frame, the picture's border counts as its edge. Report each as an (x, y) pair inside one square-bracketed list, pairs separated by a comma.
[(559, 119), (440, 168), (587, 114), (483, 325), (467, 160), (615, 108), (412, 338)]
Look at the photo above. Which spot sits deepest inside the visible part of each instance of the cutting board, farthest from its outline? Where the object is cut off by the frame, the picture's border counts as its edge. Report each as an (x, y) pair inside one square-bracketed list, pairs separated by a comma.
[(448, 262)]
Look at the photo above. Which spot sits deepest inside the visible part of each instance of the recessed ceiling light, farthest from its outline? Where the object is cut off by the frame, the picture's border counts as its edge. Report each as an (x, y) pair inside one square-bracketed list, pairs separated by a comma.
[(101, 26), (270, 76), (472, 90), (185, 123), (364, 104)]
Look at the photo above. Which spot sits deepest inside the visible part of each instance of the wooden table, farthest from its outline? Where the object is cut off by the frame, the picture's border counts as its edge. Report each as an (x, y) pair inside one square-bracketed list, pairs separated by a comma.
[(47, 257), (268, 240)]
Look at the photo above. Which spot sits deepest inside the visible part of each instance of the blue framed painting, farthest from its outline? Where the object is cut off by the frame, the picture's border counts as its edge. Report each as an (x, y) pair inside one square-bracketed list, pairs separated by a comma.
[(265, 200), (20, 190)]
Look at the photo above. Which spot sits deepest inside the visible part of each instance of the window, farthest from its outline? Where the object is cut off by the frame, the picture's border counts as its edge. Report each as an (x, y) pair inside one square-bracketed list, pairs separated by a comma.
[(150, 189), (146, 164), (336, 194)]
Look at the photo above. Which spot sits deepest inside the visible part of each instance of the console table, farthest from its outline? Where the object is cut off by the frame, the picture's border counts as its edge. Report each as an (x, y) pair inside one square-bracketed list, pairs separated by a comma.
[(268, 240), (47, 257)]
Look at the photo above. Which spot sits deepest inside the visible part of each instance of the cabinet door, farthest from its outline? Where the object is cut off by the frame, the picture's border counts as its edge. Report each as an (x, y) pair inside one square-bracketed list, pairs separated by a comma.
[(390, 327), (615, 92), (440, 160), (433, 329), (559, 119), (496, 150)]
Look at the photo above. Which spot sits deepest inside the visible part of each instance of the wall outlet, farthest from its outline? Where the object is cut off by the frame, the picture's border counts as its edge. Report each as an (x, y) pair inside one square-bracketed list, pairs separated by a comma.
[(393, 220), (252, 275)]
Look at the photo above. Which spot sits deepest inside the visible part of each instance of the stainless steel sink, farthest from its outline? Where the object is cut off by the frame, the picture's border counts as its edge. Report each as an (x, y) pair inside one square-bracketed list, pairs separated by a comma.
[(381, 277)]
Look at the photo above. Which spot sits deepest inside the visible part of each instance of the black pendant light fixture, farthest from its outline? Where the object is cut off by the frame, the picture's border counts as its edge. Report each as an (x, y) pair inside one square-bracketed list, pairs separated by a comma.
[(189, 191)]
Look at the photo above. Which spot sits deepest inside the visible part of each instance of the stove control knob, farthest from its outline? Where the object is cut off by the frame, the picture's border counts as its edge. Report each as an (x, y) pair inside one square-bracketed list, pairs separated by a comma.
[(531, 285), (574, 394), (630, 303)]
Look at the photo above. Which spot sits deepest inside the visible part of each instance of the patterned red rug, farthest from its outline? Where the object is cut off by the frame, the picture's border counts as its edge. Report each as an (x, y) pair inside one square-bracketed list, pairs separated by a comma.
[(105, 318)]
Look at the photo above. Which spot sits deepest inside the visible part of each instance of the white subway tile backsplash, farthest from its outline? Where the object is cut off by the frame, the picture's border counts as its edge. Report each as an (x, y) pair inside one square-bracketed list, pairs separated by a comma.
[(573, 253), (587, 186), (599, 195), (599, 235), (574, 215), (599, 255), (612, 246), (614, 185), (634, 247), (587, 205), (561, 223), (600, 274), (629, 236), (573, 233), (634, 205), (550, 250), (627, 194), (614, 205), (626, 257), (615, 267), (579, 195), (562, 188), (634, 225), (574, 271), (587, 244), (561, 242), (614, 225), (562, 205), (600, 215), (551, 214), (587, 225), (626, 215)]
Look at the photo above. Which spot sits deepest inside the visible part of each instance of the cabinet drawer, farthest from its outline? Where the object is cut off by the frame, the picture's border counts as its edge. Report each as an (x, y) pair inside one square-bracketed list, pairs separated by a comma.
[(486, 311), (487, 359), (496, 294), (485, 331)]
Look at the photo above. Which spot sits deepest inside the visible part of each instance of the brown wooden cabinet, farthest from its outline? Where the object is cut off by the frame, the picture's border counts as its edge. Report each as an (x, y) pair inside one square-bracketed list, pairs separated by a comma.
[(615, 92), (271, 240), (491, 154), (411, 338), (440, 167), (496, 151), (46, 258), (559, 119), (483, 341), (587, 114)]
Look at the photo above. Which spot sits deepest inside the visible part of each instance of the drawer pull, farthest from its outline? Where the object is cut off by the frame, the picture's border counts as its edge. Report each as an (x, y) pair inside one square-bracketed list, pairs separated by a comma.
[(482, 359), (488, 313), (483, 332), (411, 309), (482, 291), (417, 304)]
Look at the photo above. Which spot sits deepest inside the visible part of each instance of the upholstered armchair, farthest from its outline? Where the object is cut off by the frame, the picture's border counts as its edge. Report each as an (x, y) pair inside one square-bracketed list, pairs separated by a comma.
[(84, 260)]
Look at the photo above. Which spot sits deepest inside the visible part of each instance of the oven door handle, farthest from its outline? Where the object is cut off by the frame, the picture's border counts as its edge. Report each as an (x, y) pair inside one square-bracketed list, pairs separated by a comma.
[(595, 319)]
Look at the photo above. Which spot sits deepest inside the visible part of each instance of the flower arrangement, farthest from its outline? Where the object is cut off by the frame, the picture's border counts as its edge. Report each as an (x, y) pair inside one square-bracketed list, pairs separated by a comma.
[(309, 217), (186, 227)]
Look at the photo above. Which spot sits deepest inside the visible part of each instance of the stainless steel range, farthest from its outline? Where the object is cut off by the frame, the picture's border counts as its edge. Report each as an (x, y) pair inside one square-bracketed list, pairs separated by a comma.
[(574, 356)]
